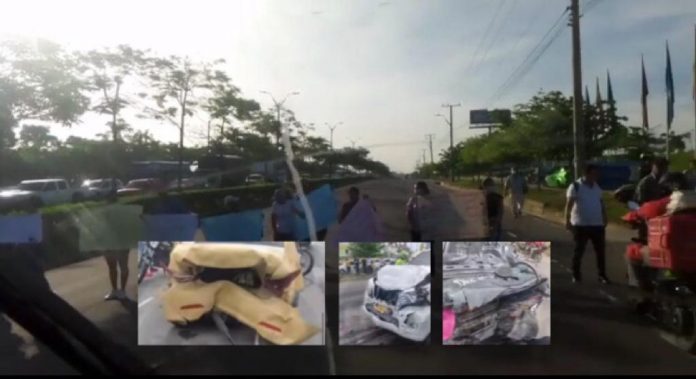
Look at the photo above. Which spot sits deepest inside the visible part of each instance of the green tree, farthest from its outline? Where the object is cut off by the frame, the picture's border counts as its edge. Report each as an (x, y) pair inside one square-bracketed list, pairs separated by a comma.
[(107, 72), (38, 138), (365, 250), (180, 86)]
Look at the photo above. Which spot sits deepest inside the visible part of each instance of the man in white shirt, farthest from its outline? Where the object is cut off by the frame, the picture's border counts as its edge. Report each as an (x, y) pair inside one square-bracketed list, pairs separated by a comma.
[(586, 217)]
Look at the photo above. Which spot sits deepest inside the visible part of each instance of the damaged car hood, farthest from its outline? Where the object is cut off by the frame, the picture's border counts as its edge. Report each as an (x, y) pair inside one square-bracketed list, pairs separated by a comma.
[(403, 277)]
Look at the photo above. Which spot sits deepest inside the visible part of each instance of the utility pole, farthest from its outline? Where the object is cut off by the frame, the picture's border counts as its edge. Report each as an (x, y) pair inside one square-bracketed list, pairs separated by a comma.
[(332, 128), (424, 161), (208, 133), (450, 122), (278, 105), (578, 127), (430, 143)]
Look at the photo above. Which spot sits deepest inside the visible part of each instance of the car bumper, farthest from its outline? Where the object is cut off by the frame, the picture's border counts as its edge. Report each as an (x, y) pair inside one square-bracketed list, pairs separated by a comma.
[(411, 322)]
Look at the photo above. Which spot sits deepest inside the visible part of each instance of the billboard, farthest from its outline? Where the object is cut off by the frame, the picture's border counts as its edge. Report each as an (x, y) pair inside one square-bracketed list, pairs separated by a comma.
[(483, 118)]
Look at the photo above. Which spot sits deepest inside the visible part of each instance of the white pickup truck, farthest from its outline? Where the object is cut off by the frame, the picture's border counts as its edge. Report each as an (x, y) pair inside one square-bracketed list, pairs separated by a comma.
[(42, 192)]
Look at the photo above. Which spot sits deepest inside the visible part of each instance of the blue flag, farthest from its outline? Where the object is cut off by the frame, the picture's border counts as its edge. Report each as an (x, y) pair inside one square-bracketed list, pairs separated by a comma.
[(669, 83)]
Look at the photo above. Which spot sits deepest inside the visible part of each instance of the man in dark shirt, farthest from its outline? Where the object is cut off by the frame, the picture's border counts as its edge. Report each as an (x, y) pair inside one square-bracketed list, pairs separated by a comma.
[(353, 198), (649, 187), (494, 204)]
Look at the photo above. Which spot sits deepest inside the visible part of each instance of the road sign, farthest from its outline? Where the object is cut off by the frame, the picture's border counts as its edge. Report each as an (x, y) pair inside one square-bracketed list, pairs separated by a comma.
[(484, 119)]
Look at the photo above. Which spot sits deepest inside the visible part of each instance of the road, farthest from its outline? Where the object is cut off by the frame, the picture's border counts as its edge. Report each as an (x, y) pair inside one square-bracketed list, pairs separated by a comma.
[(592, 333), (153, 329), (355, 326)]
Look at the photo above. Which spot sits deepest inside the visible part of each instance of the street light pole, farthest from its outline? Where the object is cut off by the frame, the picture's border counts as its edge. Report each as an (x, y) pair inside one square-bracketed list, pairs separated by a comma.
[(332, 128), (278, 106), (451, 126), (578, 127), (430, 143)]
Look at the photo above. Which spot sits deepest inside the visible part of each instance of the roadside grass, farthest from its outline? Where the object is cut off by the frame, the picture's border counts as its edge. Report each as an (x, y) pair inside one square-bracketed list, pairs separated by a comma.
[(554, 199)]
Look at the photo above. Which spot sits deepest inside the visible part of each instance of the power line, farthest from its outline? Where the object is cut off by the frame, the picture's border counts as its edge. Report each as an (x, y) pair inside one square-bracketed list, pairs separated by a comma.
[(485, 36), (531, 58), (497, 34)]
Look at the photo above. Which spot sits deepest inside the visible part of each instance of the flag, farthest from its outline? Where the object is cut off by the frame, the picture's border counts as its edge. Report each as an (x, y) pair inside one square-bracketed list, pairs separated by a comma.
[(644, 94), (610, 92), (669, 84)]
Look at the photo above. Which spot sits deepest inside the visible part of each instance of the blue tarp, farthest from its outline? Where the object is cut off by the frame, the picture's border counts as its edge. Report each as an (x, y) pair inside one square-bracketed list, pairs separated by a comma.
[(21, 229), (171, 227), (324, 208), (242, 226)]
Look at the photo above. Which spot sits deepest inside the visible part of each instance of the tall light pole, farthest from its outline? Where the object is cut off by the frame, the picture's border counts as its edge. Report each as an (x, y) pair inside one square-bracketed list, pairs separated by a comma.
[(278, 106), (450, 123), (430, 143), (331, 129), (578, 127)]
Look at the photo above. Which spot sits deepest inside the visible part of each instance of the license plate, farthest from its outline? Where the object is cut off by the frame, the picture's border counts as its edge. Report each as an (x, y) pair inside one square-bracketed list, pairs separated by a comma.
[(381, 309)]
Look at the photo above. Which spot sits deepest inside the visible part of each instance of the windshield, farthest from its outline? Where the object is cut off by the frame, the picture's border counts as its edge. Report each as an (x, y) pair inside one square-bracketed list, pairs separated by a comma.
[(385, 122)]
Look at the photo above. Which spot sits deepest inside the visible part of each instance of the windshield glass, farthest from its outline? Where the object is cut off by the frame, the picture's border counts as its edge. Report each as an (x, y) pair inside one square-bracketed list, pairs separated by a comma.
[(350, 121)]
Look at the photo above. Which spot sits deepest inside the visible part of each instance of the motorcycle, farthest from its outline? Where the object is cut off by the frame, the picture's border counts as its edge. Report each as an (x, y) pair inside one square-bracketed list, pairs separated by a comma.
[(662, 268), (153, 255)]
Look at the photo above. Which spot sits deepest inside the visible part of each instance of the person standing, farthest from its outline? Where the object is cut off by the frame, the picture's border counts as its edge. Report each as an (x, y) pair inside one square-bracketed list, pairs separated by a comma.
[(690, 175), (414, 210), (586, 218), (283, 216), (117, 263), (649, 187), (516, 187), (494, 205), (353, 198)]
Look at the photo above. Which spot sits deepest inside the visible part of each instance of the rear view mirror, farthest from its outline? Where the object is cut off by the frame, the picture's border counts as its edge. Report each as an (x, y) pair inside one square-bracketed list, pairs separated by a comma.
[(632, 205)]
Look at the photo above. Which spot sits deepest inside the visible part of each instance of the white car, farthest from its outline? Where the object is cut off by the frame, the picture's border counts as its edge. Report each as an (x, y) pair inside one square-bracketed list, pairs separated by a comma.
[(255, 178), (43, 192), (398, 299)]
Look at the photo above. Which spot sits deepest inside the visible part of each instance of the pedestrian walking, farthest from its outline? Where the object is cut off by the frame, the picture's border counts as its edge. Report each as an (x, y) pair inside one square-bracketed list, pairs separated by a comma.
[(516, 186), (494, 205), (414, 210), (586, 218), (117, 263)]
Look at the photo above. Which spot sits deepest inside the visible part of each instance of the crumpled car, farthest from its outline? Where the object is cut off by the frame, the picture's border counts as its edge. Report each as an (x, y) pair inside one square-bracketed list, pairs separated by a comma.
[(398, 299), (491, 294), (254, 284)]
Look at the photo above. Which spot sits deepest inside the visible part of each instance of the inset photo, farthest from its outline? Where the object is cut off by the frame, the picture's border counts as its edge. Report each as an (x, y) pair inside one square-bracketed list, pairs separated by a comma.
[(384, 293), (200, 293), (496, 293)]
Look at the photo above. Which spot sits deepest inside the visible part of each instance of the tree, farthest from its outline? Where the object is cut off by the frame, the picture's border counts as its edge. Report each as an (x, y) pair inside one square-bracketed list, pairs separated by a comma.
[(180, 85), (38, 138), (38, 81), (108, 70), (226, 104), (365, 250)]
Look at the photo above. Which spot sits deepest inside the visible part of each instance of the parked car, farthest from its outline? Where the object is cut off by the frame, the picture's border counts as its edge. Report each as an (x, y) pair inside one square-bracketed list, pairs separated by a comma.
[(100, 188), (255, 179), (398, 299), (141, 186), (41, 192)]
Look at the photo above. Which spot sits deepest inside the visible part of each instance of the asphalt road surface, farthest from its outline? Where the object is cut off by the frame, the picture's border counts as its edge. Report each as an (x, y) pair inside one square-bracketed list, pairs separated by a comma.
[(356, 326), (153, 329), (592, 332)]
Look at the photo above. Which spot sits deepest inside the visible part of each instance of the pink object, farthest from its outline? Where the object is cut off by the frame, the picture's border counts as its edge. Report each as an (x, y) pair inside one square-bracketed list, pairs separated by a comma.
[(447, 324)]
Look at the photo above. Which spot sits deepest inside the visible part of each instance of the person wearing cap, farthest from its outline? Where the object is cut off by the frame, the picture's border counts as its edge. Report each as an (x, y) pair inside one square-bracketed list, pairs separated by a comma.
[(649, 188)]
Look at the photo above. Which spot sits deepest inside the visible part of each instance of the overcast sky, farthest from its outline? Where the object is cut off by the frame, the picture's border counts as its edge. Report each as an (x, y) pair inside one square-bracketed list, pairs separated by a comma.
[(385, 67)]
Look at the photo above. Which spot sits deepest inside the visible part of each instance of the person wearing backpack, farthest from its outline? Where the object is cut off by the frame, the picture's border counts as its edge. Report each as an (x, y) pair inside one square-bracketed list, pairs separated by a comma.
[(586, 218)]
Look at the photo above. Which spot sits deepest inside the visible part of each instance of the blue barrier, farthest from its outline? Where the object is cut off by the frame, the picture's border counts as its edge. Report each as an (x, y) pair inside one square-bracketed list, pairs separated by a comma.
[(170, 227), (21, 229), (324, 209), (242, 226)]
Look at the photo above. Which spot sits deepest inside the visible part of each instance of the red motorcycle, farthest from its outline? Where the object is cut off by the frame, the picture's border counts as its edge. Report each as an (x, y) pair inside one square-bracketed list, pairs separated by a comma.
[(662, 268)]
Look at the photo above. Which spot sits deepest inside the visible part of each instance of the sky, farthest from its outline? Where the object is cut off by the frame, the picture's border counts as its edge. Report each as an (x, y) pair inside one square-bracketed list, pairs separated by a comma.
[(385, 67)]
